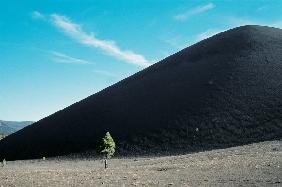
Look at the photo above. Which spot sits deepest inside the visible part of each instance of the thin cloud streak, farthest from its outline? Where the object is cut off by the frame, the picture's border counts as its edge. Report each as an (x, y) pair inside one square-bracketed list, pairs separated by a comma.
[(75, 31), (63, 58), (233, 22), (208, 33), (37, 15), (237, 21), (184, 16), (105, 73), (176, 42)]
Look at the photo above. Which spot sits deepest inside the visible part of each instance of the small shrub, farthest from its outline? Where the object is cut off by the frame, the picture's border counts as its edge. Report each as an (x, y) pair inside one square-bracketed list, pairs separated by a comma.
[(4, 162)]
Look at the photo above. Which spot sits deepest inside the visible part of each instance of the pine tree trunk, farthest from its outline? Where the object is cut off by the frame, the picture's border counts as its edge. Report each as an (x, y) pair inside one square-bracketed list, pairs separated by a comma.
[(106, 163)]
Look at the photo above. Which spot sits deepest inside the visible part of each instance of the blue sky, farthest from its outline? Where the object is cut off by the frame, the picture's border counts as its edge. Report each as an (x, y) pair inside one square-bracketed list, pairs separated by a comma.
[(56, 52)]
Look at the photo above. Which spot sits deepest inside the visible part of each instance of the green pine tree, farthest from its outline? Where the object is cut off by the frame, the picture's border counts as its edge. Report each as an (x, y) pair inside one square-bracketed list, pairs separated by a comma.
[(108, 145)]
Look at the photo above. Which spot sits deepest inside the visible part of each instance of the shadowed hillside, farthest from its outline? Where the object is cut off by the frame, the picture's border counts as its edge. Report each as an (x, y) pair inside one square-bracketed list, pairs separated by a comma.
[(220, 92)]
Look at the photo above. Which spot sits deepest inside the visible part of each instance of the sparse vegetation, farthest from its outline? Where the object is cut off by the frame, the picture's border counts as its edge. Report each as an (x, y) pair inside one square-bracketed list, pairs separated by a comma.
[(2, 136), (108, 147), (4, 163)]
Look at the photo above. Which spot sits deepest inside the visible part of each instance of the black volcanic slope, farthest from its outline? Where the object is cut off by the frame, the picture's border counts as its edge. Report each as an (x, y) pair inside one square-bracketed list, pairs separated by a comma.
[(220, 92)]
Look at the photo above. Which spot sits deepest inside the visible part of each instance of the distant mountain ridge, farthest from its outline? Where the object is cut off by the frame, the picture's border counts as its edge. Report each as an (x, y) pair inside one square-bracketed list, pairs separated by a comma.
[(9, 127)]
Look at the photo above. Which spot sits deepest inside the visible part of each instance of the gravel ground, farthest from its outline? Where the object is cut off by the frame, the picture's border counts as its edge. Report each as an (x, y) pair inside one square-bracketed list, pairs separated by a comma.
[(258, 164)]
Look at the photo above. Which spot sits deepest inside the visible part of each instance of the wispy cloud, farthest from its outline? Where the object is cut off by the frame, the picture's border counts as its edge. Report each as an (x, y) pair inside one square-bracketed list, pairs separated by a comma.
[(262, 8), (63, 58), (277, 24), (232, 22), (208, 33), (37, 15), (76, 32), (240, 21), (175, 41), (105, 73), (197, 10)]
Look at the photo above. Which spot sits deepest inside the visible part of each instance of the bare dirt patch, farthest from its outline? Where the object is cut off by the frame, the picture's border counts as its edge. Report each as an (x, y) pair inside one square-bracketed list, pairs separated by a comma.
[(257, 164)]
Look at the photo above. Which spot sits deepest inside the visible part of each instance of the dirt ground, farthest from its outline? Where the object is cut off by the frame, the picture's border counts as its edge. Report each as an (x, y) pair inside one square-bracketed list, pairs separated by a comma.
[(257, 164)]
